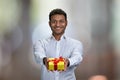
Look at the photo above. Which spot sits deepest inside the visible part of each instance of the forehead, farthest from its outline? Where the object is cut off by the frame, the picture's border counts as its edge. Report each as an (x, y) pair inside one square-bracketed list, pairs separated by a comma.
[(58, 16)]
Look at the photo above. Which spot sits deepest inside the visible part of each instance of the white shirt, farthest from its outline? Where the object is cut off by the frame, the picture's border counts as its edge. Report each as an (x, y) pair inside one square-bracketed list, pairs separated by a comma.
[(51, 48)]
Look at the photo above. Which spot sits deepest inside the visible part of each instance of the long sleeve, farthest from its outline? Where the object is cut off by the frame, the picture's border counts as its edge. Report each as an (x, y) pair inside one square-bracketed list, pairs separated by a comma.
[(39, 52), (76, 56)]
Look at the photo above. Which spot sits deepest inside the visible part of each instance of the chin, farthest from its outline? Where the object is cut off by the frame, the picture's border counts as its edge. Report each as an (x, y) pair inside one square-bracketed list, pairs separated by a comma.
[(59, 33)]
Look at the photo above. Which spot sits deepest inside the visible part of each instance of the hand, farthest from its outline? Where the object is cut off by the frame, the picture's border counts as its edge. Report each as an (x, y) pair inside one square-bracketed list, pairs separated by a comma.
[(45, 61), (66, 64)]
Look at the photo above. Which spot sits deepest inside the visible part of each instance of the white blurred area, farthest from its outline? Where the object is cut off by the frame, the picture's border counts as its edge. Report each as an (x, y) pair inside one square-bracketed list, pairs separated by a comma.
[(115, 34), (94, 22)]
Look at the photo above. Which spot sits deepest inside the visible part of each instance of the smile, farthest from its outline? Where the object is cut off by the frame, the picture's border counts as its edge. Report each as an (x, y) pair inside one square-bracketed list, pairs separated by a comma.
[(57, 28)]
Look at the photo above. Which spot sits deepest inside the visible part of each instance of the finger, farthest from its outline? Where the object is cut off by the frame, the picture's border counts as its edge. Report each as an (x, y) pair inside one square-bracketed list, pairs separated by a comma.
[(66, 63)]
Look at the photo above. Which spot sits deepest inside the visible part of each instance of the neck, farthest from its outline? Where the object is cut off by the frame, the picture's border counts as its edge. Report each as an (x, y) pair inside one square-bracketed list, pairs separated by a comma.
[(57, 37)]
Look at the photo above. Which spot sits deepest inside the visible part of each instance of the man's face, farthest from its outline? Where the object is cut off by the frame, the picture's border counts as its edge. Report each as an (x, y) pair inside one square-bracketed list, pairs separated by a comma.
[(58, 24)]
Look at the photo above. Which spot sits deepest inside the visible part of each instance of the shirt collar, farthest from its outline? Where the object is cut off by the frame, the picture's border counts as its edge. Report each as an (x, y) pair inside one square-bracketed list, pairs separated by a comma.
[(62, 37)]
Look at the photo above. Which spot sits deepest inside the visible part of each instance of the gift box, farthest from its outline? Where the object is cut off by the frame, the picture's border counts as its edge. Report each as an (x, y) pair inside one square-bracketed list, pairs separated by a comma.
[(56, 64)]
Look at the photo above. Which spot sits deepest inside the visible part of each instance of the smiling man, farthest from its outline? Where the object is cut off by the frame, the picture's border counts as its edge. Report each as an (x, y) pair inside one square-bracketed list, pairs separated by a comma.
[(58, 45)]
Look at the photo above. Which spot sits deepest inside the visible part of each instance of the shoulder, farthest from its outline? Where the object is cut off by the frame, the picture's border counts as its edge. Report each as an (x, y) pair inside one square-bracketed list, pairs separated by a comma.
[(42, 41), (75, 44), (74, 41)]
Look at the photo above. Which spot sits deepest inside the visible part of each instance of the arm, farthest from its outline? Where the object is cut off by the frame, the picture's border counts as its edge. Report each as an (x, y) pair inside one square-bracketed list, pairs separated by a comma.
[(39, 52), (76, 56)]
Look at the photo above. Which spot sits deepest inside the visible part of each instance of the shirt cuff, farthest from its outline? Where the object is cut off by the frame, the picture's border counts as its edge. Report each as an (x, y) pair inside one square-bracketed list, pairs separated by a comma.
[(70, 62), (74, 62)]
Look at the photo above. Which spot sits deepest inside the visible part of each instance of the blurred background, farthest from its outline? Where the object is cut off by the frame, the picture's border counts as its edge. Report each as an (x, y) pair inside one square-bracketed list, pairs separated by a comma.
[(94, 22)]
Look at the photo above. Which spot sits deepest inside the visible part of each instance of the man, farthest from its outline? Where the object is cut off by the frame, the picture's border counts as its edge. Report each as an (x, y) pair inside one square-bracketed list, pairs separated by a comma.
[(58, 45)]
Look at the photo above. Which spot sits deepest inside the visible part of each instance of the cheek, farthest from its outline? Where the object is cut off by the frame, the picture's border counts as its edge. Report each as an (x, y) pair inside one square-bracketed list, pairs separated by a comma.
[(52, 25), (63, 25)]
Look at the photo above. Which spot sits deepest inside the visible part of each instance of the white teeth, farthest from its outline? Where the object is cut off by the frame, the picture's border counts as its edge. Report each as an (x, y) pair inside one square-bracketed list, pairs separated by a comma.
[(57, 28)]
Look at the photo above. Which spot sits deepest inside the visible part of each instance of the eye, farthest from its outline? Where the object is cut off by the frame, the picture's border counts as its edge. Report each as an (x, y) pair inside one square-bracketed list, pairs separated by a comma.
[(53, 21), (62, 21)]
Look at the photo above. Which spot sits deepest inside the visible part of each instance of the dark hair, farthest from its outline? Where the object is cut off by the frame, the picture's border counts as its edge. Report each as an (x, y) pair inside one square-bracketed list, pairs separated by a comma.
[(57, 11)]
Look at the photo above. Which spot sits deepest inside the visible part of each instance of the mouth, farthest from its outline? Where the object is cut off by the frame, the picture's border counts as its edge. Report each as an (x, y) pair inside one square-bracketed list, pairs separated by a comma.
[(58, 28)]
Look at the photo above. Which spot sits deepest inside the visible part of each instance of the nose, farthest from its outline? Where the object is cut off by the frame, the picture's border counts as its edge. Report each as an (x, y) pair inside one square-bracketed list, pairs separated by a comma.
[(58, 23)]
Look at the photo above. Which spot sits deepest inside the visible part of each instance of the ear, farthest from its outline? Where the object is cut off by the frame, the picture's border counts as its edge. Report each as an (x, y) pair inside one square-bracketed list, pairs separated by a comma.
[(66, 22), (49, 23)]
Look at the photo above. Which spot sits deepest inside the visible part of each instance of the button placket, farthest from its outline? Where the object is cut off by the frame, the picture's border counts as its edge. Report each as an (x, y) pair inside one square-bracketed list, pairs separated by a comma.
[(57, 55)]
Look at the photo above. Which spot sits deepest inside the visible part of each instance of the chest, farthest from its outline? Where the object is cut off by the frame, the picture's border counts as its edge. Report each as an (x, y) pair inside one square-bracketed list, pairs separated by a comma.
[(57, 49)]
